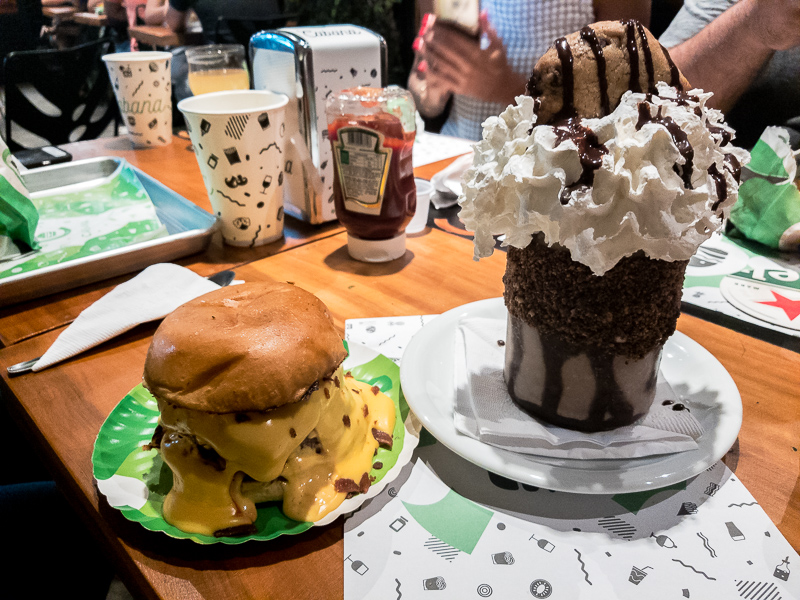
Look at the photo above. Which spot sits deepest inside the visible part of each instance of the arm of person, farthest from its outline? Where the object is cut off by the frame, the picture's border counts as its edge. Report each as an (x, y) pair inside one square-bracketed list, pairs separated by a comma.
[(466, 66), (175, 19), (155, 12), (727, 55), (172, 14), (615, 10), (430, 92)]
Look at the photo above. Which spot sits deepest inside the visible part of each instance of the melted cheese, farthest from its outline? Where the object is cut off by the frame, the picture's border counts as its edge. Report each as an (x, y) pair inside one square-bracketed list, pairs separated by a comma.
[(206, 494)]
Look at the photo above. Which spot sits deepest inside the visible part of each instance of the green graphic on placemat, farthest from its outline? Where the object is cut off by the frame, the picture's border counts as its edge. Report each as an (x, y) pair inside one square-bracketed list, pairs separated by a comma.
[(88, 221), (118, 456), (454, 520)]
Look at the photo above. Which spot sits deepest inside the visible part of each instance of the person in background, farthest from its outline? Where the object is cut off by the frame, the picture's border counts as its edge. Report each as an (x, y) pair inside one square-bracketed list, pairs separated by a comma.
[(155, 12), (134, 9), (117, 21), (480, 77), (61, 32), (175, 14), (747, 53)]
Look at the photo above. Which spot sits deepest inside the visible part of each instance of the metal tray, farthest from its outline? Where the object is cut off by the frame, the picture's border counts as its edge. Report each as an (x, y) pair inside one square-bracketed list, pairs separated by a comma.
[(189, 227)]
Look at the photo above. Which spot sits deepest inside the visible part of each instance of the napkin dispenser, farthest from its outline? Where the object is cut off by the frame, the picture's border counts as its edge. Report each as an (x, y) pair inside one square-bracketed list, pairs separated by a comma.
[(308, 64)]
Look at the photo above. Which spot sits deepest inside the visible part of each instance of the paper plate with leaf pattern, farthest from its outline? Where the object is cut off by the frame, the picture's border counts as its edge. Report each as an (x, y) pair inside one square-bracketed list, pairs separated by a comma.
[(136, 481)]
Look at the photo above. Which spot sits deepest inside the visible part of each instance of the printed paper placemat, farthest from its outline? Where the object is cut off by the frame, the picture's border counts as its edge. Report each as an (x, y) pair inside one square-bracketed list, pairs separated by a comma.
[(449, 528), (732, 278)]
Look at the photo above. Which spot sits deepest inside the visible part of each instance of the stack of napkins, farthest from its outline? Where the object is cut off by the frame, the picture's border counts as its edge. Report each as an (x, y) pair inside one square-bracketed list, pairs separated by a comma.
[(485, 411)]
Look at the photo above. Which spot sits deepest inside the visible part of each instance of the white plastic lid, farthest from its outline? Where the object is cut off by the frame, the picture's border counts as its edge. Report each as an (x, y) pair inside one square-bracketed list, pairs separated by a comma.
[(376, 251)]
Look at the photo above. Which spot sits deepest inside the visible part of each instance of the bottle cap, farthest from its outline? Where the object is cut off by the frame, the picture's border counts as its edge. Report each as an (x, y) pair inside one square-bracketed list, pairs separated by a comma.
[(376, 251)]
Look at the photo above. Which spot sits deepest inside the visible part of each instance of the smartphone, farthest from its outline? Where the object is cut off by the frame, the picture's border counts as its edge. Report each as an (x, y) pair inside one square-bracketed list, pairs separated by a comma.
[(41, 157), (462, 14)]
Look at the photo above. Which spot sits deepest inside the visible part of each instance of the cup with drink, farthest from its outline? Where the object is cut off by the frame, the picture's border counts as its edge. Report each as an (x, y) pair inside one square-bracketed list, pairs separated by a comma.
[(143, 89), (239, 141), (217, 68), (371, 131)]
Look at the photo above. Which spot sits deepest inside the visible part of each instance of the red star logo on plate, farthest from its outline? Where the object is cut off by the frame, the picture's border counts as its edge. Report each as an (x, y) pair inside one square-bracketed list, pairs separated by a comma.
[(789, 306)]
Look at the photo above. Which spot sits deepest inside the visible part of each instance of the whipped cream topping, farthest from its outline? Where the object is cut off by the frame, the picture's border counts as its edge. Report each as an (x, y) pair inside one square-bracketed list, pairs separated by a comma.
[(660, 177)]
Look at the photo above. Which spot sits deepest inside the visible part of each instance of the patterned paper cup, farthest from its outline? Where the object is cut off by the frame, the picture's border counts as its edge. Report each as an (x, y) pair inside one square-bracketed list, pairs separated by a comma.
[(143, 88), (240, 142)]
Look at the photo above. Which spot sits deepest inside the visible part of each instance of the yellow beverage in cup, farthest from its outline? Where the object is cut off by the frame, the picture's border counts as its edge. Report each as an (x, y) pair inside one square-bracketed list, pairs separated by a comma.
[(218, 80)]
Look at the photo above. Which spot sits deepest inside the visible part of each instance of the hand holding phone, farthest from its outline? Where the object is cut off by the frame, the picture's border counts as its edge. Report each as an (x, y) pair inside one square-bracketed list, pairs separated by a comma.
[(462, 14), (451, 61)]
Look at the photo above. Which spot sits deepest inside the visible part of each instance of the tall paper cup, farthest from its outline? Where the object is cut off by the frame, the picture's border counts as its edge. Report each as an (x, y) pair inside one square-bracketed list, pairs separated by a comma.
[(143, 89), (240, 142)]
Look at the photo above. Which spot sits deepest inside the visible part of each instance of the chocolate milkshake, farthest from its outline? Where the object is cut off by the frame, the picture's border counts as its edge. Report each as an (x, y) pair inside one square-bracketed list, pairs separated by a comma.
[(604, 180)]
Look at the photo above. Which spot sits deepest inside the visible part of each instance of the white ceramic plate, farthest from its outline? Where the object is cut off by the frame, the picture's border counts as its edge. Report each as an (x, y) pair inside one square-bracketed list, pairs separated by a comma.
[(426, 375)]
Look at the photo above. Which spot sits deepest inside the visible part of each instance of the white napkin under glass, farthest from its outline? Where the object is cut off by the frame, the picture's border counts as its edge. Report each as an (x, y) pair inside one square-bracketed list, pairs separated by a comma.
[(485, 411)]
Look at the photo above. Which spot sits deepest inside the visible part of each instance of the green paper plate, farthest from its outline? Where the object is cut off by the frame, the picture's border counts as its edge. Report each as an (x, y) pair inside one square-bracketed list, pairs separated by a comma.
[(136, 481)]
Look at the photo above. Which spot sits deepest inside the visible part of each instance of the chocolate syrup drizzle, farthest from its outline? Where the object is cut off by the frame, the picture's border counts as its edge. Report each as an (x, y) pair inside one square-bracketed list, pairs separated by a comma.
[(733, 166), (633, 56), (720, 184), (567, 79), (633, 51), (567, 123), (590, 150), (724, 134), (674, 72), (590, 37), (609, 406), (678, 136)]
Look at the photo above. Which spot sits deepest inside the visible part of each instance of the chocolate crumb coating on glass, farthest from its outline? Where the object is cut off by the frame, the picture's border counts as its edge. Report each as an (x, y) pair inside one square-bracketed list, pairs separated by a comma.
[(630, 310)]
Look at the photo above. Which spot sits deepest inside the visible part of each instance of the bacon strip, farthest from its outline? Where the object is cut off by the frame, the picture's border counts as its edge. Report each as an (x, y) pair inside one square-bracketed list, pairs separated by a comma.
[(384, 439)]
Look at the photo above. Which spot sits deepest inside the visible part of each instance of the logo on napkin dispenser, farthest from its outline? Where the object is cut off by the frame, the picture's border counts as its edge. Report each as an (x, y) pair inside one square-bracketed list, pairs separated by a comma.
[(308, 64)]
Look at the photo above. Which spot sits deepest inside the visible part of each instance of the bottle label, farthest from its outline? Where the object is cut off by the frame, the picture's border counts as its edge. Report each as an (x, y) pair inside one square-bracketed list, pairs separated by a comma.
[(363, 166)]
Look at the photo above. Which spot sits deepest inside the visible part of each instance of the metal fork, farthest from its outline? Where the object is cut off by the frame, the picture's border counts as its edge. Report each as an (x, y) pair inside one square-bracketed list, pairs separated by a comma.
[(222, 279)]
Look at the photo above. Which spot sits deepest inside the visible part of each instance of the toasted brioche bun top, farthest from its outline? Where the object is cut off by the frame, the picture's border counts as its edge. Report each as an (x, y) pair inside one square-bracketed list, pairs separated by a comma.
[(246, 347)]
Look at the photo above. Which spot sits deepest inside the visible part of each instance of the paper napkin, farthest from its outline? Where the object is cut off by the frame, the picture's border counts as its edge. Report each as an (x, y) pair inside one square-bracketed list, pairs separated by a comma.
[(433, 147), (485, 411), (447, 182), (151, 295)]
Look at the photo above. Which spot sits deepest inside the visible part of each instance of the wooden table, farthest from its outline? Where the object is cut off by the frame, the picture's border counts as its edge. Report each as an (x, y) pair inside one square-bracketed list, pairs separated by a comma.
[(161, 37), (90, 18), (62, 409), (60, 13)]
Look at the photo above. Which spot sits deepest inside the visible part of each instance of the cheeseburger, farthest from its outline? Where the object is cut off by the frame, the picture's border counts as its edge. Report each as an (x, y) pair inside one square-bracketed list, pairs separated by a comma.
[(255, 407)]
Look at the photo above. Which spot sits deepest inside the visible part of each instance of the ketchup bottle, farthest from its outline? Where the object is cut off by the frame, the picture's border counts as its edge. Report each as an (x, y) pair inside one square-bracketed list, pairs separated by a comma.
[(371, 131)]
